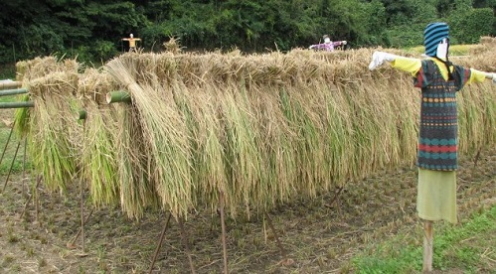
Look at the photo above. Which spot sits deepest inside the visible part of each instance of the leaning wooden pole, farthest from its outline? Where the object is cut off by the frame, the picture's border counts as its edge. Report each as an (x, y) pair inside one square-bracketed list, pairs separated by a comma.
[(38, 181), (428, 245), (8, 141), (81, 201), (184, 237), (223, 227), (160, 241), (71, 244), (279, 244), (11, 166)]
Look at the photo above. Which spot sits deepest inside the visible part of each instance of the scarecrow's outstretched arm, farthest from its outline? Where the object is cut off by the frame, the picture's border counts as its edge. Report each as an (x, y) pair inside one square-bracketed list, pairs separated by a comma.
[(406, 64), (379, 57), (413, 65), (491, 75)]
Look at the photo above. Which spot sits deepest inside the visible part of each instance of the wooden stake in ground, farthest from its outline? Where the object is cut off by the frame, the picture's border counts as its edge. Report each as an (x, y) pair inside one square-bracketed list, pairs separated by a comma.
[(81, 197), (223, 227), (160, 243), (11, 166), (184, 237), (428, 245), (38, 181), (81, 189), (8, 141), (71, 243), (283, 252)]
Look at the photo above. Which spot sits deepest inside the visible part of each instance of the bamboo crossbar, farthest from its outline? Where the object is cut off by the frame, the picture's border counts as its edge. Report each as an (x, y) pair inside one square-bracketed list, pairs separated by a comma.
[(27, 104), (10, 85), (82, 114), (8, 92), (118, 96)]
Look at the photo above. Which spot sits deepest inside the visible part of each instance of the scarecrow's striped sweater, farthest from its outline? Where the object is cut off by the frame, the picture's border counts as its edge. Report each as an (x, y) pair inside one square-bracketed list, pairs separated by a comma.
[(438, 142)]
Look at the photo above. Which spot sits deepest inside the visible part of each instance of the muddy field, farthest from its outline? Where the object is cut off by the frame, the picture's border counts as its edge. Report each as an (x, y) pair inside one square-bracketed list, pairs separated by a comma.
[(318, 236)]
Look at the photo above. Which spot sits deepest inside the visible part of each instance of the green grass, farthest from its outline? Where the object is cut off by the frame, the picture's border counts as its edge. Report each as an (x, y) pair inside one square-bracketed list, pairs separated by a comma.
[(470, 247)]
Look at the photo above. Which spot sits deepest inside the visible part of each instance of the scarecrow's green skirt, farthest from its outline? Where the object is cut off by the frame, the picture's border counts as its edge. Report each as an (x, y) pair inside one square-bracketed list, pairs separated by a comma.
[(436, 197)]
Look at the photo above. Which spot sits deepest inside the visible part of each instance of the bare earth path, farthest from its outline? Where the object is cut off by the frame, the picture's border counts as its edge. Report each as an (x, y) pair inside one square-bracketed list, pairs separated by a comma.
[(318, 237)]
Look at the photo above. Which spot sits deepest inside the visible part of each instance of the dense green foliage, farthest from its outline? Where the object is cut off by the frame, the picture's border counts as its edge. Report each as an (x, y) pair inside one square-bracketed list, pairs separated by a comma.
[(93, 29)]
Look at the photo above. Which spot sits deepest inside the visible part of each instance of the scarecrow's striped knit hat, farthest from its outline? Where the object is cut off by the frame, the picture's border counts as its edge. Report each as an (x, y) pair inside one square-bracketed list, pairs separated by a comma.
[(434, 33)]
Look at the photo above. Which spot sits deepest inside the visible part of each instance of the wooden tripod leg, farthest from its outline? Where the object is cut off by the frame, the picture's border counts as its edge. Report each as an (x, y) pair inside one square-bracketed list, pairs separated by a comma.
[(72, 242), (8, 141), (81, 205), (186, 245), (159, 243), (11, 166), (38, 181), (428, 246), (283, 252), (223, 225)]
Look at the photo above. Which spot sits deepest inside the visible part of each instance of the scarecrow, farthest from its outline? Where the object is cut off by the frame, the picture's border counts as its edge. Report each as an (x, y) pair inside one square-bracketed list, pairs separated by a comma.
[(439, 80), (328, 45), (132, 42)]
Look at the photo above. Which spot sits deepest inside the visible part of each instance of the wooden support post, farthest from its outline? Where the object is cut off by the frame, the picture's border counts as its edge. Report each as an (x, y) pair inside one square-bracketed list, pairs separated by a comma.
[(428, 246), (71, 243), (8, 141), (38, 181), (11, 166), (186, 245), (36, 202), (283, 252), (160, 241), (223, 227), (81, 201), (24, 186)]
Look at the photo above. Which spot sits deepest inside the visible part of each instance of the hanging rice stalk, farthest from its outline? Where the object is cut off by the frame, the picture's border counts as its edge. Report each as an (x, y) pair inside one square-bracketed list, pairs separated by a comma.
[(99, 154), (266, 128), (54, 135)]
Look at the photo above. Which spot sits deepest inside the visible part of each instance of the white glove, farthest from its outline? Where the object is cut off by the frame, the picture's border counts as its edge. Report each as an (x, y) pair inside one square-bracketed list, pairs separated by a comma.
[(311, 47), (379, 57), (344, 42), (491, 76)]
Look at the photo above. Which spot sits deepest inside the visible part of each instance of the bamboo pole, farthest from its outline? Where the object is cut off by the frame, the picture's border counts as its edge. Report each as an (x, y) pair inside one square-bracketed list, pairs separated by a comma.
[(9, 84), (428, 246), (8, 92), (118, 97), (82, 114), (27, 104)]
